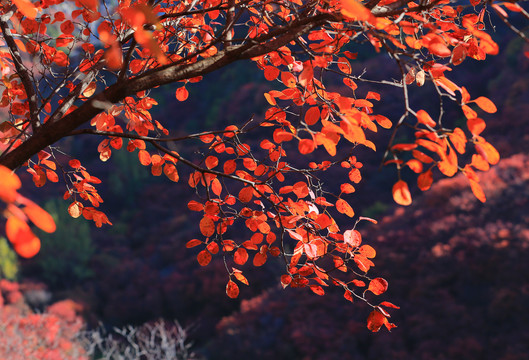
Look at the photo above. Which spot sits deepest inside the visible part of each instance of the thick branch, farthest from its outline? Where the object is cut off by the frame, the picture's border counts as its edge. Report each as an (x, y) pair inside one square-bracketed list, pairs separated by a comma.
[(51, 132)]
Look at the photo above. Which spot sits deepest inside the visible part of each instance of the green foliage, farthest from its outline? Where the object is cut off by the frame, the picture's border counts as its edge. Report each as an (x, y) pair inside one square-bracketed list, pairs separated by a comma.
[(128, 176), (8, 261), (65, 255)]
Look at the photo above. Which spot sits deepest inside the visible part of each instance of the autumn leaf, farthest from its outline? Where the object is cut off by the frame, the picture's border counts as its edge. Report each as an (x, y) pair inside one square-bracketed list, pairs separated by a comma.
[(26, 8), (343, 207), (232, 290), (378, 286), (204, 257), (40, 218), (355, 10), (401, 193), (207, 226), (240, 256), (28, 248)]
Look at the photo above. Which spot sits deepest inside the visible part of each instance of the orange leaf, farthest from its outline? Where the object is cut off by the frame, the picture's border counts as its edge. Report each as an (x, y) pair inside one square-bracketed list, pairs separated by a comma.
[(28, 248), (230, 166), (401, 193), (144, 157), (241, 278), (347, 188), (170, 171), (477, 190), (425, 180), (207, 226), (485, 104), (182, 94), (355, 10), (232, 290), (343, 207), (476, 125), (17, 230), (9, 183), (26, 8), (424, 118), (300, 189), (378, 286), (40, 218), (367, 251)]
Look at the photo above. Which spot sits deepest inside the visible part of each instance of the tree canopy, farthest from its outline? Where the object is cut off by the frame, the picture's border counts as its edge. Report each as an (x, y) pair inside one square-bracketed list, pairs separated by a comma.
[(86, 67)]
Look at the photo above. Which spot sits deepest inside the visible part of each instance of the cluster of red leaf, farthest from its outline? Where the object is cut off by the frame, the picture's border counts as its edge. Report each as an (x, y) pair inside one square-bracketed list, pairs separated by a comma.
[(301, 47)]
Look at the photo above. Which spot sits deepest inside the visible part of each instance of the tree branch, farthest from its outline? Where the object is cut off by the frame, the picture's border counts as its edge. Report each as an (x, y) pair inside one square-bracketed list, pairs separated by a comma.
[(51, 132)]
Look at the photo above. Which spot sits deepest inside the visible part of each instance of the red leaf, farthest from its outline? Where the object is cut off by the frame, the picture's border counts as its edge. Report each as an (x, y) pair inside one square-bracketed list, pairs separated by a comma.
[(375, 320), (259, 259), (232, 290), (192, 243), (204, 257), (240, 256), (316, 289), (378, 286), (271, 73), (245, 195), (207, 226), (312, 115)]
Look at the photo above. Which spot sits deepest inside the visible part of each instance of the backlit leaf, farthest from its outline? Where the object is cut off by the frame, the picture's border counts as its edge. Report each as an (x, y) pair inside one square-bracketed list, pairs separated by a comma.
[(486, 104), (204, 257), (378, 286), (240, 256), (207, 226), (344, 207), (401, 193), (232, 290), (75, 209)]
